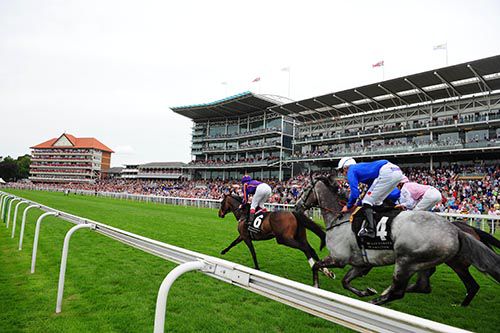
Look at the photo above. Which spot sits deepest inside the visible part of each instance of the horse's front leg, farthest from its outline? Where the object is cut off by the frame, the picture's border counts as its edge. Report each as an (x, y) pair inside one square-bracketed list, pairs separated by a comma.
[(234, 243), (353, 273), (320, 265), (248, 242)]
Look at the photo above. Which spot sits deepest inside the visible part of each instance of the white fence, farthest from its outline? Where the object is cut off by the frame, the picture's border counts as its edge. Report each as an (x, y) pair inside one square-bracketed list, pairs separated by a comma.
[(484, 222), (351, 313)]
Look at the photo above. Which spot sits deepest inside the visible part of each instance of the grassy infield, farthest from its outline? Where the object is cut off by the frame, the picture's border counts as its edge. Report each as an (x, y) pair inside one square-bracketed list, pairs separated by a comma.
[(112, 287)]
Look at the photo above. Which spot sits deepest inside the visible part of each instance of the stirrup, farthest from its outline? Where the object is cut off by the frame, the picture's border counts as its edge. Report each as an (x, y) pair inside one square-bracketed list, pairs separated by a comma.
[(366, 233)]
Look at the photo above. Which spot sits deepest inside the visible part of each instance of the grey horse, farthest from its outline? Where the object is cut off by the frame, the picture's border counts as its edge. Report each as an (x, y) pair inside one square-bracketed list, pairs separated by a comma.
[(422, 240)]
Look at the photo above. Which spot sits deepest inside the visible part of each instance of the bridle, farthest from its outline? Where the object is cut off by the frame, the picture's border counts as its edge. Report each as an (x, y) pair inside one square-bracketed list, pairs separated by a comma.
[(337, 214), (237, 211)]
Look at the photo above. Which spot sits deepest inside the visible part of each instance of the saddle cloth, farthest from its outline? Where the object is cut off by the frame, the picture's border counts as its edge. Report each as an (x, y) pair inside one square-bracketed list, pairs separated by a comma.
[(254, 227), (383, 224)]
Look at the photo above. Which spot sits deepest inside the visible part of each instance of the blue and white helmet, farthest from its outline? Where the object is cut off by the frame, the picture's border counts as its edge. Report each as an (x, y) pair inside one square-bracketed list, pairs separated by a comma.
[(345, 161)]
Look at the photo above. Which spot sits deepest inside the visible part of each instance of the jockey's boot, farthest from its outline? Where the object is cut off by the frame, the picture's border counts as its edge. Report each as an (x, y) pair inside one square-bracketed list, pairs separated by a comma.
[(369, 226), (251, 216)]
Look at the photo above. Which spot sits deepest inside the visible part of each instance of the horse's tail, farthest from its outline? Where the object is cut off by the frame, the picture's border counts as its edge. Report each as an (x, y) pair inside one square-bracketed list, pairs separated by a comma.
[(487, 239), (484, 237), (479, 255), (309, 224)]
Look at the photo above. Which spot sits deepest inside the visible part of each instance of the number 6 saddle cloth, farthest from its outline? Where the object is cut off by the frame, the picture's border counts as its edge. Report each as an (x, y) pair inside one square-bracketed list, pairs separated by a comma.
[(383, 218), (254, 227)]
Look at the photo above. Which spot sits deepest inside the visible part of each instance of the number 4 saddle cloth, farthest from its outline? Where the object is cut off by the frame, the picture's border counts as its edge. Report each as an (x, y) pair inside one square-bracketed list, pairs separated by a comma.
[(383, 218), (254, 227)]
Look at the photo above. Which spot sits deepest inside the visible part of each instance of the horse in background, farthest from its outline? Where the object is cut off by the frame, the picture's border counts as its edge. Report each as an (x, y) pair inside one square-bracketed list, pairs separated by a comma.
[(289, 229)]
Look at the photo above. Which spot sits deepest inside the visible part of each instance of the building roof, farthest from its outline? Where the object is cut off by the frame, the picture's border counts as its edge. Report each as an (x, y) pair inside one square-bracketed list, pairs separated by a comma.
[(478, 76), (75, 142), (114, 170), (233, 106), (161, 165)]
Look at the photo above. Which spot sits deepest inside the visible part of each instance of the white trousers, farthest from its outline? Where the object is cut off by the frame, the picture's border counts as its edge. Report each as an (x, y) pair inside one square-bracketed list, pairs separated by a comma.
[(430, 198), (388, 178), (262, 193)]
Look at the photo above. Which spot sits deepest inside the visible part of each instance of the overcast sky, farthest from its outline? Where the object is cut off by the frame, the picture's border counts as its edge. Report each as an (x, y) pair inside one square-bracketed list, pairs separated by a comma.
[(112, 69)]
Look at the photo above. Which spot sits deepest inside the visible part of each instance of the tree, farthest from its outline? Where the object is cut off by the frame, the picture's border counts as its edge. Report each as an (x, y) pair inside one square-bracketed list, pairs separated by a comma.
[(23, 163), (9, 169)]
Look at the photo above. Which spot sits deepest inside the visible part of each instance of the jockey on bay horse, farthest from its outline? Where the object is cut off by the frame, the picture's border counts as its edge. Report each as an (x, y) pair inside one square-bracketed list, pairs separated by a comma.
[(260, 191)]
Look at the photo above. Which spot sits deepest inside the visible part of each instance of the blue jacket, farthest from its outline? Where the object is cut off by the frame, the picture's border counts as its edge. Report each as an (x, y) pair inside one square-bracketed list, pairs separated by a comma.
[(364, 173)]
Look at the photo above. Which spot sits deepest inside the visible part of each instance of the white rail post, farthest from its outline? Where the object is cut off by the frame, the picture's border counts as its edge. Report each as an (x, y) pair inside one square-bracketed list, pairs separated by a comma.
[(10, 208), (64, 260), (15, 216), (4, 200), (35, 240), (161, 301), (23, 223), (2, 196), (4, 205)]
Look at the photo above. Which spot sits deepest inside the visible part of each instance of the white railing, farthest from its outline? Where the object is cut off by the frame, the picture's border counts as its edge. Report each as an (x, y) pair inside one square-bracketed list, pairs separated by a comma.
[(345, 311), (484, 222)]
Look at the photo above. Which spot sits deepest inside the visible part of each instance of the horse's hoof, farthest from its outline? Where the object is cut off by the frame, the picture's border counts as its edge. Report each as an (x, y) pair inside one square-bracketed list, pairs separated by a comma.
[(222, 252), (371, 291), (328, 273)]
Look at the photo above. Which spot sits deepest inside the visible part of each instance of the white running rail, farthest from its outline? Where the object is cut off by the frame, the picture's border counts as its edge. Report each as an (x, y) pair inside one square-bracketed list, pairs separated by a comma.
[(345, 311)]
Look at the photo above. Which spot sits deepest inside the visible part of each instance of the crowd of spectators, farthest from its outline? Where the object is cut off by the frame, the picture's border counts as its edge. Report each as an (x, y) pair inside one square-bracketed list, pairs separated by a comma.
[(328, 151), (472, 190)]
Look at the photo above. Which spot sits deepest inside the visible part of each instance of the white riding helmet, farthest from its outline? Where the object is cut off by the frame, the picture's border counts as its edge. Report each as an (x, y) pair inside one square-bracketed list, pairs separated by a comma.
[(345, 161)]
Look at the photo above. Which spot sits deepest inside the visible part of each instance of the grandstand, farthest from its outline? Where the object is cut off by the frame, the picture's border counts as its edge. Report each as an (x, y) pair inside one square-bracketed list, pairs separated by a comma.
[(435, 118), (430, 119), (239, 135)]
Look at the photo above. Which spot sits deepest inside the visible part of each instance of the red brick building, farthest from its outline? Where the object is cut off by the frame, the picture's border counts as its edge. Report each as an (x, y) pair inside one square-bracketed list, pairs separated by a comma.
[(69, 159)]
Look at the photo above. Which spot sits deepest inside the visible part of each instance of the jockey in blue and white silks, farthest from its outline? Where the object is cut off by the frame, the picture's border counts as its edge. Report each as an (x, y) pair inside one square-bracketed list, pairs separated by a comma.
[(261, 193), (381, 176)]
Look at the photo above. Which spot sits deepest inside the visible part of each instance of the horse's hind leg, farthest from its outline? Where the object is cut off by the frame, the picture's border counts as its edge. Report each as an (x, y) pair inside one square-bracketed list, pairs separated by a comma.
[(423, 283), (234, 243), (249, 244), (353, 273), (400, 278), (467, 279)]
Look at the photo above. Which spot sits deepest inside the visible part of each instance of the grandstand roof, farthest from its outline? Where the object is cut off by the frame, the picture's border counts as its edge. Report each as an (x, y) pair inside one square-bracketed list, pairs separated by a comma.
[(233, 106), (472, 77), (74, 142), (160, 165)]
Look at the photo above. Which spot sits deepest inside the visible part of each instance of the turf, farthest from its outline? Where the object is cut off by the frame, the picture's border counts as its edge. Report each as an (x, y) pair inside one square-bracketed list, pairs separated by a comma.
[(111, 287)]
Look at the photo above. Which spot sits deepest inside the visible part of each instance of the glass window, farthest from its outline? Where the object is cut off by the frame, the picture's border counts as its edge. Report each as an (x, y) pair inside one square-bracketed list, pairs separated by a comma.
[(217, 130), (256, 125), (476, 136), (273, 123), (232, 129)]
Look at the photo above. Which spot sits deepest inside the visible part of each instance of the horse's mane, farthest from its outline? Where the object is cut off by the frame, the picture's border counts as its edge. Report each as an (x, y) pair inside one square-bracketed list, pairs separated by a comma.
[(331, 182), (236, 197)]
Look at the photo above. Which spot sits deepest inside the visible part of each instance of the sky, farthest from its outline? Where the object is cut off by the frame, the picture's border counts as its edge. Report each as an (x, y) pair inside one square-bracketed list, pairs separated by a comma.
[(112, 69)]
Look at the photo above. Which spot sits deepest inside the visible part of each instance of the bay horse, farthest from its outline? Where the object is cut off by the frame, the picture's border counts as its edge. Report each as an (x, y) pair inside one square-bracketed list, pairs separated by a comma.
[(289, 228), (422, 240)]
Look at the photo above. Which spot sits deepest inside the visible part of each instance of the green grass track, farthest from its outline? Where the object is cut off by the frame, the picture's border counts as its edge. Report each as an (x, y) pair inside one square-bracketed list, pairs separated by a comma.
[(111, 287)]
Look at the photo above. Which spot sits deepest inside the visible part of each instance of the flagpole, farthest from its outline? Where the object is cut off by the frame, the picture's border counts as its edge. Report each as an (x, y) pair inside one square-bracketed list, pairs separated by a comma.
[(446, 45), (289, 75)]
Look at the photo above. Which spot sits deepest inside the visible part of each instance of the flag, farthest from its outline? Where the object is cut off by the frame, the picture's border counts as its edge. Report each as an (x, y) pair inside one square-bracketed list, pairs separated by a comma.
[(378, 64), (285, 69), (440, 47), (257, 79)]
